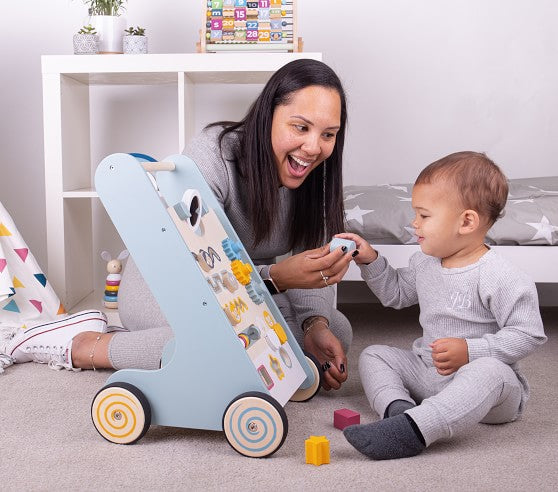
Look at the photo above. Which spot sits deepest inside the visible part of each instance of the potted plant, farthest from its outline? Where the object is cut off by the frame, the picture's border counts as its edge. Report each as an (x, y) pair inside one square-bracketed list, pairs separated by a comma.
[(106, 18), (86, 41), (135, 40)]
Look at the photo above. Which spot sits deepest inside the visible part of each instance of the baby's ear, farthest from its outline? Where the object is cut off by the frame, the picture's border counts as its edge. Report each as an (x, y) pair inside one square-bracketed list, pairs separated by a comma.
[(470, 221)]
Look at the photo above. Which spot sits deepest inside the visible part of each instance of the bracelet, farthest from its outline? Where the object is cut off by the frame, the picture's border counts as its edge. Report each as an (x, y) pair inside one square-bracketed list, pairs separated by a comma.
[(93, 352), (313, 322)]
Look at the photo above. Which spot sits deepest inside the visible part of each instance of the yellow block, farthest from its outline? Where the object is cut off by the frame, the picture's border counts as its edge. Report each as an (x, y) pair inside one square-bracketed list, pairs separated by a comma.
[(317, 450)]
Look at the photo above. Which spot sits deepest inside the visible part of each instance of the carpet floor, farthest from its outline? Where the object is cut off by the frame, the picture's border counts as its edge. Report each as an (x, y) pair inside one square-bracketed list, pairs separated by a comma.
[(48, 442)]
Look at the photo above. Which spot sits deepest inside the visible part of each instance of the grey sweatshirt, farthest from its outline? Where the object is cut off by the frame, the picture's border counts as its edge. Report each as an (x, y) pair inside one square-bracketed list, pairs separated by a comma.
[(491, 304)]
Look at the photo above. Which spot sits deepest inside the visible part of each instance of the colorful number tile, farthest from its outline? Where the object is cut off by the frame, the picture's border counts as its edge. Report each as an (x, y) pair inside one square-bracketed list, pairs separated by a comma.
[(276, 36), (240, 35), (217, 25), (264, 4), (228, 35), (251, 34), (216, 35), (240, 13), (217, 4), (228, 24), (240, 3), (264, 36), (263, 14), (216, 13), (251, 24)]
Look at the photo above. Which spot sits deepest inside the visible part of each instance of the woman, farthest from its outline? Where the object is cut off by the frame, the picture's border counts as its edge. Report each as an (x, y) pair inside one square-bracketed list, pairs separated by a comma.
[(278, 176)]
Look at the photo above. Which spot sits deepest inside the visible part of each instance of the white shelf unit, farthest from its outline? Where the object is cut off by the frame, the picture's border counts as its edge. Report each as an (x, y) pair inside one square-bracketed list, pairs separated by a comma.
[(67, 143)]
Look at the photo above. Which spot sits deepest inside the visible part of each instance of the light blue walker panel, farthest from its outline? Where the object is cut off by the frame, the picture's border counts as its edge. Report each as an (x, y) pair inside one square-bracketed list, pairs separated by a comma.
[(229, 335)]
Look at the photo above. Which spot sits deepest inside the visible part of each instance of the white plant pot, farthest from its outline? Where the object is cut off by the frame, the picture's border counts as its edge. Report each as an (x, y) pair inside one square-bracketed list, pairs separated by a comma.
[(110, 29), (86, 44), (135, 45)]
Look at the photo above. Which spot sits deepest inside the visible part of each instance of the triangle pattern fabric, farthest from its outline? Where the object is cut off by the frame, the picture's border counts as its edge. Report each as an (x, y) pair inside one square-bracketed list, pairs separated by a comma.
[(41, 278), (22, 253), (61, 309), (12, 306), (16, 282), (3, 264), (4, 230), (37, 304)]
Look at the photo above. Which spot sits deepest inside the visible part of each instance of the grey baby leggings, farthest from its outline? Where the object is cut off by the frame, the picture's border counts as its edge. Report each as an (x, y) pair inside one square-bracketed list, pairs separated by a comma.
[(484, 390)]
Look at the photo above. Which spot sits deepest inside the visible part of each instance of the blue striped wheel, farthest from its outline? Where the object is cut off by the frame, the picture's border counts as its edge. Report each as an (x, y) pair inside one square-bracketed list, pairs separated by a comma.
[(255, 425)]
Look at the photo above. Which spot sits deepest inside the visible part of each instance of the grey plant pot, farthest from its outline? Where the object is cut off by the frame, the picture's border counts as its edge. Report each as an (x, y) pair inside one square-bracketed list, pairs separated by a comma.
[(86, 44), (135, 45)]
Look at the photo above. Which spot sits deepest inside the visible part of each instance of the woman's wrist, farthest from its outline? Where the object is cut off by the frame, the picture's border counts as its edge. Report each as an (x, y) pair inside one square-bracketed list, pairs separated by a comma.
[(309, 324), (273, 277)]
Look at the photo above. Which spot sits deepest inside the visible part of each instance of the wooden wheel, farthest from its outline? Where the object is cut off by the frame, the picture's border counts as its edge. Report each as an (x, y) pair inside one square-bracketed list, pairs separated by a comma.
[(121, 413), (305, 394), (255, 425)]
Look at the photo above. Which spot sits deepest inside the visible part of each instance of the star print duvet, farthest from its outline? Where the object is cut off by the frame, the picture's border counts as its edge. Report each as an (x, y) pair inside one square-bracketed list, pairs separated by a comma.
[(25, 294), (382, 214)]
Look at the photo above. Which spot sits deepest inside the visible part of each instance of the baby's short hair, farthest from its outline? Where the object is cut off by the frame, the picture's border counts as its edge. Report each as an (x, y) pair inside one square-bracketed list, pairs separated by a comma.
[(480, 183)]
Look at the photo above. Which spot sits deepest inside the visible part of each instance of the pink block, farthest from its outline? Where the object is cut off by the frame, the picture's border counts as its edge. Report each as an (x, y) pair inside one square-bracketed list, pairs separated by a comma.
[(344, 417)]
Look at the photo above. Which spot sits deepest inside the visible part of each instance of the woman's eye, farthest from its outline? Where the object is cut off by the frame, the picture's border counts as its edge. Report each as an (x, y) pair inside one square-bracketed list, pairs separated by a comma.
[(329, 135), (300, 128)]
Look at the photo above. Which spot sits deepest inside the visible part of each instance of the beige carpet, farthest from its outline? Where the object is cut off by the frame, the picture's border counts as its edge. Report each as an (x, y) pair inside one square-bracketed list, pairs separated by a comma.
[(48, 442)]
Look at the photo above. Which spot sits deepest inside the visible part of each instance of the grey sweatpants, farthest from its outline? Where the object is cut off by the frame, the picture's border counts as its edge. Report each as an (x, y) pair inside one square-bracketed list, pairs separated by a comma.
[(484, 390), (141, 347)]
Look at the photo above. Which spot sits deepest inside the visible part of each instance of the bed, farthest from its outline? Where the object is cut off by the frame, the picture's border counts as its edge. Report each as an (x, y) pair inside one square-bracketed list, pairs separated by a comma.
[(382, 214)]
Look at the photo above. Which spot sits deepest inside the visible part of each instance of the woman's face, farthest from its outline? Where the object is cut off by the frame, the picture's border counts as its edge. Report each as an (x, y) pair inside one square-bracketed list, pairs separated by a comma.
[(304, 131)]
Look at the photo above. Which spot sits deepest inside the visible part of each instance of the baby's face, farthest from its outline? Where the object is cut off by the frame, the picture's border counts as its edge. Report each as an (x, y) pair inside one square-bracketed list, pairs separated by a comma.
[(438, 212)]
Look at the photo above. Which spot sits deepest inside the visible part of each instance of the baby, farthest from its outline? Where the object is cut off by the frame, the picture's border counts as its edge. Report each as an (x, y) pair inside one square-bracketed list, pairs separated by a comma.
[(479, 315)]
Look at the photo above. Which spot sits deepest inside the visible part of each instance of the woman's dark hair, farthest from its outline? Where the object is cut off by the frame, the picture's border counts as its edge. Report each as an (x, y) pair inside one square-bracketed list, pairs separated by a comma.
[(317, 212)]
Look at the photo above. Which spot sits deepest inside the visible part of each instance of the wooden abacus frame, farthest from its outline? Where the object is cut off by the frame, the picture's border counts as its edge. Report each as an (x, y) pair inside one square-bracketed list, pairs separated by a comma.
[(207, 45)]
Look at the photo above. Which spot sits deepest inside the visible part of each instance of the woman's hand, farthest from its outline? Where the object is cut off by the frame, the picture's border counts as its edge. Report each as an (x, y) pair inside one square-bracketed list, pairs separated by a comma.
[(311, 269), (324, 345)]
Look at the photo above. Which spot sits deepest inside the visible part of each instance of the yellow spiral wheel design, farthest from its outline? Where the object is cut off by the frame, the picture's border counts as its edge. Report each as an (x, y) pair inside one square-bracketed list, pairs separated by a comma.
[(121, 413)]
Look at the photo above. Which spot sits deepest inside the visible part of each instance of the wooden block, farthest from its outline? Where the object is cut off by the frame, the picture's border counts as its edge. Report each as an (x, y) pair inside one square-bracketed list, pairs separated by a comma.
[(344, 417)]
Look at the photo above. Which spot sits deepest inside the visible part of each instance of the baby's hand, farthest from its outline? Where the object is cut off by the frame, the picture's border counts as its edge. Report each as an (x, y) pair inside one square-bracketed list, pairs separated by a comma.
[(449, 354), (366, 254)]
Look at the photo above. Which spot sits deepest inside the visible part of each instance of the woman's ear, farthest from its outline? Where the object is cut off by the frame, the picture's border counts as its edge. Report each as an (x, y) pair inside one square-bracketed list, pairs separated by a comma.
[(470, 221)]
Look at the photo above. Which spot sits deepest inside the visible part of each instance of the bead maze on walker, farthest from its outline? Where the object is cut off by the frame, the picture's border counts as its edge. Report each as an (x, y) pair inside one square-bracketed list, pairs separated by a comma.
[(233, 362), (238, 25)]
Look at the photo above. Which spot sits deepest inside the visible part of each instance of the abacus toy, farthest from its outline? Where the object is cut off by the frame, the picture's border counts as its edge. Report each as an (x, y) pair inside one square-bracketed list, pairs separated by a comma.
[(233, 363), (243, 25)]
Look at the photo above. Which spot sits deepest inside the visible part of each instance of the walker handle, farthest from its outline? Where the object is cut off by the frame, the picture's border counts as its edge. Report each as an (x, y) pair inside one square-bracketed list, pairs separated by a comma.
[(158, 166)]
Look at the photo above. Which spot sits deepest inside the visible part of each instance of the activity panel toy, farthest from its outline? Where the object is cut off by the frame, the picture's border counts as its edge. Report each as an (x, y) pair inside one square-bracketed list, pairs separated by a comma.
[(233, 362), (238, 25)]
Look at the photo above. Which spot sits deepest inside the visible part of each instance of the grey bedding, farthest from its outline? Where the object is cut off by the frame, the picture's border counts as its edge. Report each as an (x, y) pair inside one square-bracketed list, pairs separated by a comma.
[(382, 214)]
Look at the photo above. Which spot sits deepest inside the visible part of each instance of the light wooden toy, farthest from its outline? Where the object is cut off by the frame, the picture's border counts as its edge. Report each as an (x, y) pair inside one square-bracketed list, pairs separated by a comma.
[(112, 284), (243, 25), (317, 450), (233, 363)]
